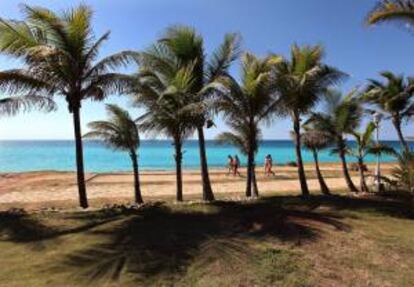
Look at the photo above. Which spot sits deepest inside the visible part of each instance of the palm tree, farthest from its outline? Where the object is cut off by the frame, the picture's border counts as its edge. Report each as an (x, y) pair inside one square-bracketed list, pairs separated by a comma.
[(341, 116), (247, 105), (59, 55), (120, 132), (164, 98), (301, 81), (365, 146), (188, 48), (392, 11), (316, 140), (393, 98)]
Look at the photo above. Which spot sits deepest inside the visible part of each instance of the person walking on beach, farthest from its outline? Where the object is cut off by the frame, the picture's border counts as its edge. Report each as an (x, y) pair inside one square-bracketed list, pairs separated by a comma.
[(236, 165), (268, 165), (230, 164)]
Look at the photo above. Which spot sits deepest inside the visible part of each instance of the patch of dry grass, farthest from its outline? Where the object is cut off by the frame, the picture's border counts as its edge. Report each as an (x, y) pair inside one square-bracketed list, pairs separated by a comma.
[(276, 241)]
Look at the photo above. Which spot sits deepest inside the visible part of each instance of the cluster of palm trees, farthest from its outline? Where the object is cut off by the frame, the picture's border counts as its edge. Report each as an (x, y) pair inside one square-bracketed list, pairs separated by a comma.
[(181, 89)]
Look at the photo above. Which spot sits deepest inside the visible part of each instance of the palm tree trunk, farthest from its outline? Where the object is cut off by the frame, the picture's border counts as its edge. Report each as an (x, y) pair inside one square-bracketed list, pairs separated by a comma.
[(363, 184), (301, 170), (205, 178), (249, 174), (348, 179), (397, 125), (254, 181), (83, 200), (137, 185), (322, 183), (178, 167)]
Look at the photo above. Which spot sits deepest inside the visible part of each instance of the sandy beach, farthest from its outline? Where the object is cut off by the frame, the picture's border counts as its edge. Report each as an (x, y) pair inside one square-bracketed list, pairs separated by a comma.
[(50, 188)]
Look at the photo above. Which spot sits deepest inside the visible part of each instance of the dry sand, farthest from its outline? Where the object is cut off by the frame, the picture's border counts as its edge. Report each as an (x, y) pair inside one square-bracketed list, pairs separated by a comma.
[(18, 189)]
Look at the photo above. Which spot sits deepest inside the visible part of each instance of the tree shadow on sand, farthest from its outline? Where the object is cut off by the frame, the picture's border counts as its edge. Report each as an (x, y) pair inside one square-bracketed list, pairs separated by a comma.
[(160, 242)]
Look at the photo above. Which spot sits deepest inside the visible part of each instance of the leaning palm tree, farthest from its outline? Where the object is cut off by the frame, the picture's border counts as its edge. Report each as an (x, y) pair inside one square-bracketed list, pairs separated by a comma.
[(164, 97), (394, 98), (119, 132), (315, 140), (59, 53), (341, 115), (392, 11), (365, 146), (245, 106), (301, 81), (188, 48)]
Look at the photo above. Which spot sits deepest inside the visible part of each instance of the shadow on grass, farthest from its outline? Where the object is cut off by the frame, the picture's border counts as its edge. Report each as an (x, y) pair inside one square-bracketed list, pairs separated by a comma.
[(20, 227), (383, 205), (163, 242)]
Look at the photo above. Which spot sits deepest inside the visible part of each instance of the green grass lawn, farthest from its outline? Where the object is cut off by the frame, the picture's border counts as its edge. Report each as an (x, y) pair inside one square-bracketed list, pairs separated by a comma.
[(276, 241)]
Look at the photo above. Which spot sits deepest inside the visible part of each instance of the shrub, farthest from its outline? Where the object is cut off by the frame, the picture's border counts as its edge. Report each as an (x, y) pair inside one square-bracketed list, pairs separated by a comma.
[(292, 163), (403, 174), (355, 167)]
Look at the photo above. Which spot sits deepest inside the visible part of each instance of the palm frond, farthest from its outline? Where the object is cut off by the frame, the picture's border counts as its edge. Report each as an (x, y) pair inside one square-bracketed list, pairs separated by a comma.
[(17, 37), (392, 11), (112, 62), (232, 139), (367, 135), (52, 26), (58, 50), (12, 105), (119, 131), (19, 81), (78, 27), (107, 84), (378, 149), (304, 78), (316, 140), (223, 57)]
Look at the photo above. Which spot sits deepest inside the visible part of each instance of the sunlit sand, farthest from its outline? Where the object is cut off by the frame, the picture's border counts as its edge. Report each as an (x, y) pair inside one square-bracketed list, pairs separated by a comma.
[(52, 187)]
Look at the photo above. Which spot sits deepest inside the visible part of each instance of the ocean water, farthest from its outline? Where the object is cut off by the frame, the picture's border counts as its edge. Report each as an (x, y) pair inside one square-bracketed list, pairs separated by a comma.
[(19, 156)]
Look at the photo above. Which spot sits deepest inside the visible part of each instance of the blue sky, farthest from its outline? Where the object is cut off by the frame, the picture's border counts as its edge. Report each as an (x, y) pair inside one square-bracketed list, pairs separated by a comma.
[(266, 26)]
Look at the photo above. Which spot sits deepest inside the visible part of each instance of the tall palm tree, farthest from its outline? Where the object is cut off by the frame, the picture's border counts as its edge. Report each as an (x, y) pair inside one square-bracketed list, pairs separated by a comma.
[(301, 80), (341, 115), (119, 132), (247, 105), (164, 98), (392, 11), (394, 98), (365, 146), (316, 140), (188, 48), (59, 55)]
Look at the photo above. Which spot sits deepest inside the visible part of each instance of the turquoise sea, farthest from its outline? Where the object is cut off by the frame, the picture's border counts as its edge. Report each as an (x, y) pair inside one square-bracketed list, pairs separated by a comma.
[(19, 156)]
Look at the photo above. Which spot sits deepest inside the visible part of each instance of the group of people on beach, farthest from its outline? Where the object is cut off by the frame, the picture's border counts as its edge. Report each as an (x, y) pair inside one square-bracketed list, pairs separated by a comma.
[(234, 165)]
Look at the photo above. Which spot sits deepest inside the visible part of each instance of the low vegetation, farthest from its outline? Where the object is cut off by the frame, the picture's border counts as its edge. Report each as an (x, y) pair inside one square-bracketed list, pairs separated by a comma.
[(275, 241)]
